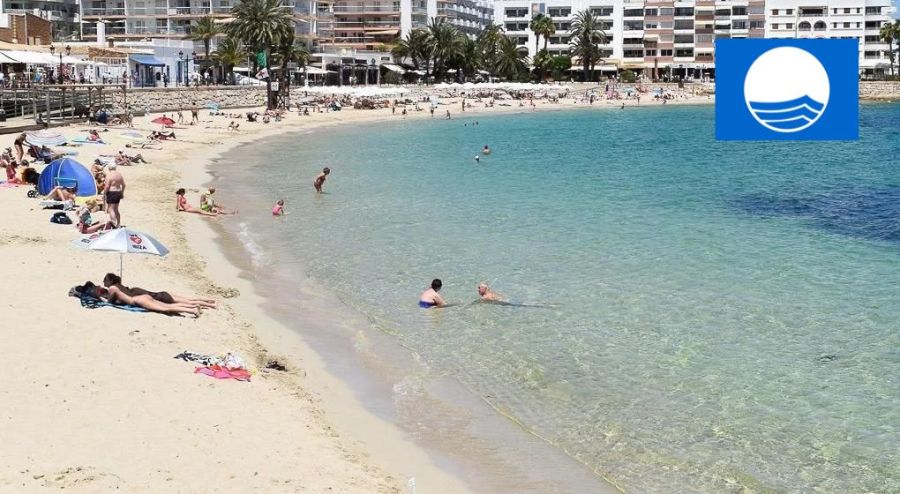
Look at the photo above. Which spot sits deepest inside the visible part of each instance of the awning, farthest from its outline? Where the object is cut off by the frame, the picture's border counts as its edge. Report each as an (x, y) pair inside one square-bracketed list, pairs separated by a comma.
[(146, 60), (75, 61), (386, 32), (394, 68), (6, 59), (311, 70), (32, 57)]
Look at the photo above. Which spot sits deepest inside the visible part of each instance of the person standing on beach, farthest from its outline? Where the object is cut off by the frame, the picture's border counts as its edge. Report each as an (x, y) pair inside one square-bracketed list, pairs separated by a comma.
[(320, 179), (115, 192), (448, 114), (430, 298)]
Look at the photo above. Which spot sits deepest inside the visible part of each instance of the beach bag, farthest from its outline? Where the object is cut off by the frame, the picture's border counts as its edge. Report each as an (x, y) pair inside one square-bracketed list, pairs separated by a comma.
[(61, 218)]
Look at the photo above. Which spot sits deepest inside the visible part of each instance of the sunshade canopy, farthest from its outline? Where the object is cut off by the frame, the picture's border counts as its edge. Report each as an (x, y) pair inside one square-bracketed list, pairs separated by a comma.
[(67, 173), (147, 60)]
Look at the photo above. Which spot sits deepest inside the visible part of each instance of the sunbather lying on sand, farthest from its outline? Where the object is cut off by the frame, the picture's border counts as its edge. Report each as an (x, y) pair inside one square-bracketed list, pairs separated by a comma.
[(116, 296), (60, 193), (112, 281)]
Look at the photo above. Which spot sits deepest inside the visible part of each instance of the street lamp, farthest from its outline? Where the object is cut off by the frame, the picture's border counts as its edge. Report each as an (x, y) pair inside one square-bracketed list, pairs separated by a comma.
[(180, 64), (52, 51)]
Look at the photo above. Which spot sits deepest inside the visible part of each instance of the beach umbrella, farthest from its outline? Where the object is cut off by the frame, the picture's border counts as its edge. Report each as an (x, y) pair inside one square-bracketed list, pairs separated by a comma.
[(45, 137), (124, 241), (68, 173), (163, 120)]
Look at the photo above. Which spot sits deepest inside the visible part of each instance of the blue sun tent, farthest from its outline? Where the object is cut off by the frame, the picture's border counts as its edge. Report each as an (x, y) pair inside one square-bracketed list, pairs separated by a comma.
[(67, 173)]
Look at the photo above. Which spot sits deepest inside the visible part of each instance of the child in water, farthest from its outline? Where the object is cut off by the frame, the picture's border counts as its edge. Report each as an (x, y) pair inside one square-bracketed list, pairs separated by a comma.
[(278, 209), (320, 180)]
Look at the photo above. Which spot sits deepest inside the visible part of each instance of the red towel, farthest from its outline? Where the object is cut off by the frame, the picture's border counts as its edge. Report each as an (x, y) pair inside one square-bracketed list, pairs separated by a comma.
[(220, 372)]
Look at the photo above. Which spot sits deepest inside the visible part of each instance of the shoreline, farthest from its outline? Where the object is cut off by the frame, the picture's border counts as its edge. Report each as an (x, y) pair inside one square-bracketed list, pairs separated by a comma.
[(86, 371)]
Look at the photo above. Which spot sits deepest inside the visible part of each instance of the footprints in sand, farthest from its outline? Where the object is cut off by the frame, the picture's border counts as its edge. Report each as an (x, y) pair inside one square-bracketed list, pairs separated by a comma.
[(224, 292), (72, 477), (10, 239)]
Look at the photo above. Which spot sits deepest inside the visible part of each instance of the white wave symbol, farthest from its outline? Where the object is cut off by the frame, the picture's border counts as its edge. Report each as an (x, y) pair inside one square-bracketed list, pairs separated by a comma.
[(788, 116)]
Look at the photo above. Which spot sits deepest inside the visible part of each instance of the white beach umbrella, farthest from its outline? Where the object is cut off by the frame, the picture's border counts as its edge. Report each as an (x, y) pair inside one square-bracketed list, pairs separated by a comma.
[(124, 241)]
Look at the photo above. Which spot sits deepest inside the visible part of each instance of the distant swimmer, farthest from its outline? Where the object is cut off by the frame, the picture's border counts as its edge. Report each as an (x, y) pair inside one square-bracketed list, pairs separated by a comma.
[(486, 150), (488, 295), (278, 209), (430, 298), (477, 159), (320, 180)]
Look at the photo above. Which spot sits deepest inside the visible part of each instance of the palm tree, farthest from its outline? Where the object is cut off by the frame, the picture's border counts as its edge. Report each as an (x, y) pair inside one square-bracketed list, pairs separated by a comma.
[(512, 60), (542, 63), (262, 24), (585, 40), (467, 60), (542, 25), (488, 42), (204, 30), (445, 42), (229, 53), (890, 31), (287, 51)]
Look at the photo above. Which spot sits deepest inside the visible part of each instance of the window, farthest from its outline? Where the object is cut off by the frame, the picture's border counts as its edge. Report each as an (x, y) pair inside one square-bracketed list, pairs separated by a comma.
[(666, 25), (650, 25), (789, 12), (774, 11), (684, 52), (650, 53), (756, 10), (804, 26), (739, 25), (757, 24), (666, 11), (789, 25), (775, 26), (684, 24), (634, 12), (857, 25), (561, 26), (723, 12), (602, 10), (632, 41), (739, 11), (633, 25), (516, 12), (634, 53), (847, 11), (846, 25), (684, 38), (559, 11), (873, 39), (665, 53), (873, 24), (666, 38), (651, 12), (704, 38), (684, 11), (872, 10), (834, 25)]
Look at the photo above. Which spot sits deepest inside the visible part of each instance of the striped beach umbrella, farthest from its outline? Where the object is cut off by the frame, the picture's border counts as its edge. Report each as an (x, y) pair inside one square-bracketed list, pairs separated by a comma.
[(46, 137)]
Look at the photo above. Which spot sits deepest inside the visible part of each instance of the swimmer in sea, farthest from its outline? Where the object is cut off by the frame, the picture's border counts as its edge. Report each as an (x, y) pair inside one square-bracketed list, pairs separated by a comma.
[(486, 150), (278, 209), (477, 159), (488, 295), (430, 298), (320, 180)]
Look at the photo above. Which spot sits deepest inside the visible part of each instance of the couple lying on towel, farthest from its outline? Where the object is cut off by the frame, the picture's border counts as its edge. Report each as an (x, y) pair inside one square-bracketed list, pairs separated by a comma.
[(114, 292)]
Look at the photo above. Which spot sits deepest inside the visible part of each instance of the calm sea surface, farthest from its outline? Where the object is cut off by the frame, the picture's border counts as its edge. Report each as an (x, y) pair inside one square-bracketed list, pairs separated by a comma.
[(716, 317)]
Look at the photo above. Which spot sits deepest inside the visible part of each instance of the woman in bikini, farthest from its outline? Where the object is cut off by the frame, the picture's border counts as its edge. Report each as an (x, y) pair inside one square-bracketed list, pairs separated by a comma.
[(116, 296), (85, 221), (111, 281), (181, 204)]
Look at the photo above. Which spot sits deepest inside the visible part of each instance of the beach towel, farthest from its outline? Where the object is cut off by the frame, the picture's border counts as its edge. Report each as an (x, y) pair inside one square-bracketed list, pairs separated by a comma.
[(220, 372), (85, 140), (93, 303), (65, 205)]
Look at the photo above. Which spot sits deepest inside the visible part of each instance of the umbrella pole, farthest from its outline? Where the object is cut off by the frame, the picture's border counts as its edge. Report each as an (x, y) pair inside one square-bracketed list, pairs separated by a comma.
[(121, 257)]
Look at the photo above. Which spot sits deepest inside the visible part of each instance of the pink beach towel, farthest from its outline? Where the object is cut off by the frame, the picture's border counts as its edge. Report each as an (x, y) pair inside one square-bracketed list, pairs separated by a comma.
[(220, 372)]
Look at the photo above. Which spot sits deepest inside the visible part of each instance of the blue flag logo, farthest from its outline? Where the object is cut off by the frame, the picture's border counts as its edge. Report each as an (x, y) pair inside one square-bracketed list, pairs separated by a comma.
[(787, 89)]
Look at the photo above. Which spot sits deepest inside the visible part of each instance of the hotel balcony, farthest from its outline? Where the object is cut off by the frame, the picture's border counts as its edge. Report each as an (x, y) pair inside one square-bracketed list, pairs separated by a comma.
[(104, 12), (366, 9)]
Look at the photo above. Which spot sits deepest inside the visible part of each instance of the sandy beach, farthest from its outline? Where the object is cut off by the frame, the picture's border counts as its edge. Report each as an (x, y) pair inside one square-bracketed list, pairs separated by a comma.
[(95, 400)]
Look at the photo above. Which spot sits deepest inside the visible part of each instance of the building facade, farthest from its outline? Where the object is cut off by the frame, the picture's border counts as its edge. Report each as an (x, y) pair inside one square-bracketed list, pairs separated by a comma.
[(143, 19), (25, 29), (63, 14), (835, 19), (665, 37)]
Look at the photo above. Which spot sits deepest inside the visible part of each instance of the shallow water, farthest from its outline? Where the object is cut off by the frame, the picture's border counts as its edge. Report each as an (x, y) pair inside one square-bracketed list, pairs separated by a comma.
[(723, 316)]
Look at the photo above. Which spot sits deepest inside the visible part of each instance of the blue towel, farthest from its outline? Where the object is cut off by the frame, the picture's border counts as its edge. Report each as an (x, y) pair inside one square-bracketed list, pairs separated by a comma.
[(92, 303)]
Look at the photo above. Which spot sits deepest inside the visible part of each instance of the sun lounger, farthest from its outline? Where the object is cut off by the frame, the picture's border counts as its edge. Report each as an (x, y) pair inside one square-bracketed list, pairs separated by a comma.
[(85, 140)]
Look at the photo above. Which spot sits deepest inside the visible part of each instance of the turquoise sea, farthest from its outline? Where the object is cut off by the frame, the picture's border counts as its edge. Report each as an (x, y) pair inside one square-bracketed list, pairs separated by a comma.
[(716, 317)]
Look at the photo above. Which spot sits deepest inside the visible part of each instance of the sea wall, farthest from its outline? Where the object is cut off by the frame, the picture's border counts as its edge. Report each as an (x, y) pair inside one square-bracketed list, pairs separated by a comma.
[(168, 99)]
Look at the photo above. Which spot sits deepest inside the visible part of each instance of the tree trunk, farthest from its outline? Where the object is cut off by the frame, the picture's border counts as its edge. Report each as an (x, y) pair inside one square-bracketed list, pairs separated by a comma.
[(537, 39), (585, 65), (268, 82)]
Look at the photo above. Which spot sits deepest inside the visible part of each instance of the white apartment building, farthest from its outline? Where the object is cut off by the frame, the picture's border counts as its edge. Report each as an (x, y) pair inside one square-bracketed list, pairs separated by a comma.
[(62, 13), (652, 36), (860, 19), (146, 19)]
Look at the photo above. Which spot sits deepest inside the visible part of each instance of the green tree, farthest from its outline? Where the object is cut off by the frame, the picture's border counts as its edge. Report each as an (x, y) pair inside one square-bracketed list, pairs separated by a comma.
[(542, 63), (890, 32), (467, 60), (416, 47), (229, 52), (204, 30), (542, 25), (488, 42), (560, 66), (512, 60), (586, 38), (262, 24), (287, 51), (446, 44)]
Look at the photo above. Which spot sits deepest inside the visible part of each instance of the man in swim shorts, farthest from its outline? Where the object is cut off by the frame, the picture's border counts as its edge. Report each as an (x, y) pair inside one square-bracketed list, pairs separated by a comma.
[(115, 192), (430, 298), (487, 295)]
